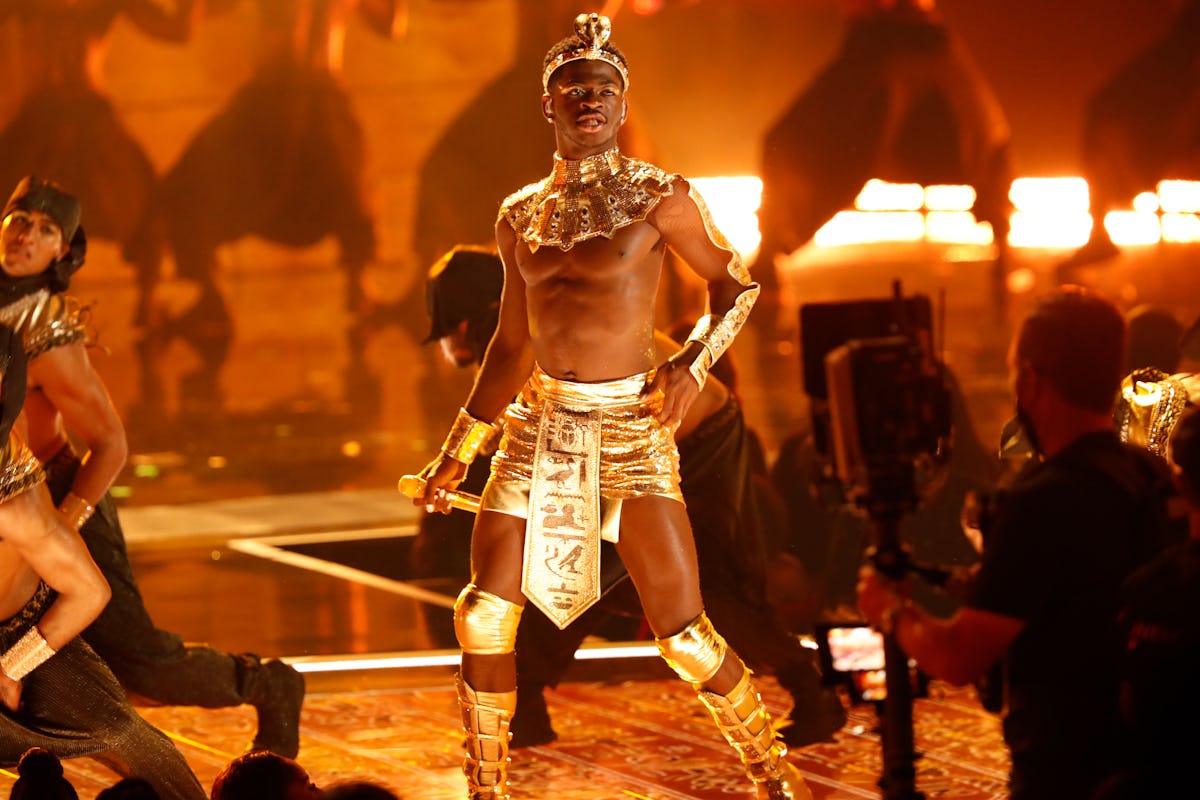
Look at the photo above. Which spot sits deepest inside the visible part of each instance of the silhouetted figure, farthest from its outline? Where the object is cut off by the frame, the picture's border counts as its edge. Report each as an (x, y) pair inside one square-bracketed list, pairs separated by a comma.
[(284, 160), (360, 790), (901, 101), (1141, 126), (129, 789), (41, 778), (262, 775), (67, 129)]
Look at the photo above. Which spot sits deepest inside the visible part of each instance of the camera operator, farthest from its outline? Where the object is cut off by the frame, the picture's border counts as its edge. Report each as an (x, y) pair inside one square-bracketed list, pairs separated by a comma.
[(1070, 528)]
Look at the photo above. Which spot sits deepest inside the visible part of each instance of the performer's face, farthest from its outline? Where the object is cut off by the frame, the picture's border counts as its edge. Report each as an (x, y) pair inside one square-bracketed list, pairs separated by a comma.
[(586, 103), (30, 241)]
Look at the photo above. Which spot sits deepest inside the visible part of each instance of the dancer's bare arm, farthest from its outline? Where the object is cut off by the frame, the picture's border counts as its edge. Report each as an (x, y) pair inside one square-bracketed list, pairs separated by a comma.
[(30, 525), (73, 389)]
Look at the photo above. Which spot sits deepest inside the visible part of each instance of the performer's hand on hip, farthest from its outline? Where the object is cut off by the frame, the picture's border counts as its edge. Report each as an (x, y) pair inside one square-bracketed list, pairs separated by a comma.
[(679, 389), (441, 475)]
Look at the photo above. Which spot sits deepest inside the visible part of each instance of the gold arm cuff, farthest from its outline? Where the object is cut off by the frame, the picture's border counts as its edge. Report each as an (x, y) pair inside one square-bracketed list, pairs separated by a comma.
[(716, 333), (466, 436), (696, 652), (27, 654), (76, 510)]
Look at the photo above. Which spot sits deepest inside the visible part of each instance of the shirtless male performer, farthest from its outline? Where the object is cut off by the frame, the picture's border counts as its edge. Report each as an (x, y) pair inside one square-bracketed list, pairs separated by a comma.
[(588, 450), (56, 692), (41, 246)]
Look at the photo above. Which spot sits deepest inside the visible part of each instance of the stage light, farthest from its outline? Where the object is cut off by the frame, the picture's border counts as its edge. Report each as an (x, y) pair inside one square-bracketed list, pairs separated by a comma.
[(1132, 227), (1179, 196), (877, 195), (733, 203), (949, 197)]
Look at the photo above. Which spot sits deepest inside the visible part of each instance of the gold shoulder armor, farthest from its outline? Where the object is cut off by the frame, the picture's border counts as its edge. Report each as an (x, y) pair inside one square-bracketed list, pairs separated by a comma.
[(19, 469), (45, 321)]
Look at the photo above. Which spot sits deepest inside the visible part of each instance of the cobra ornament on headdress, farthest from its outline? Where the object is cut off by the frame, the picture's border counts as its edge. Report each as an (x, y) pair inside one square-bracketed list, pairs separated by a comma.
[(594, 31)]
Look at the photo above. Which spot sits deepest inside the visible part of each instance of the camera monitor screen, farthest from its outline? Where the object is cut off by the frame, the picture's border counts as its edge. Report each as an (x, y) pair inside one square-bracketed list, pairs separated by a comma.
[(855, 649), (852, 655), (827, 326)]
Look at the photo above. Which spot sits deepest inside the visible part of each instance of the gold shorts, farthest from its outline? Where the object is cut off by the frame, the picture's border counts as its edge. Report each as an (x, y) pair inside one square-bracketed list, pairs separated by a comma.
[(638, 456)]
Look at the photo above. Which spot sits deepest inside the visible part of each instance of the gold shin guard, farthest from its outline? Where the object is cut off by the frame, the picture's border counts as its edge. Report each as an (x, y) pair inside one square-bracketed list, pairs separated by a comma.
[(695, 653), (486, 717), (744, 722)]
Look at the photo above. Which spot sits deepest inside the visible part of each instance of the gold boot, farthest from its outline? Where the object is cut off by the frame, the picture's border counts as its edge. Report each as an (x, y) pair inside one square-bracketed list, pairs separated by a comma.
[(746, 725), (486, 716)]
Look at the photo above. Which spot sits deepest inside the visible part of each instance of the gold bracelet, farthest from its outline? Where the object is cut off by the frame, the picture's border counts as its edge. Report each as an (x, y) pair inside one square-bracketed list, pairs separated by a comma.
[(76, 510), (466, 436), (28, 653)]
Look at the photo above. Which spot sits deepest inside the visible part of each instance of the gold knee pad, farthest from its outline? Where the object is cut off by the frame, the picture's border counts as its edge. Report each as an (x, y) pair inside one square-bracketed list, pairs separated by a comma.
[(485, 624), (696, 652)]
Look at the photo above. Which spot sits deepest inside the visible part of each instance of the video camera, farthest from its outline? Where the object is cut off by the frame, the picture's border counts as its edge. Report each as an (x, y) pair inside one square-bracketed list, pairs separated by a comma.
[(879, 403), (882, 423)]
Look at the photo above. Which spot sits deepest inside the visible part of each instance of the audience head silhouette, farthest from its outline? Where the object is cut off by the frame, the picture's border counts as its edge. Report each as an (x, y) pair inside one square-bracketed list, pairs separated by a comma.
[(41, 778), (263, 775), (360, 790), (129, 789)]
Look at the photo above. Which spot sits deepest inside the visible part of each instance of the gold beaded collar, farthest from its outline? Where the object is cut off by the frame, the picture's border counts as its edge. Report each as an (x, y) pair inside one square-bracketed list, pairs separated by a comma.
[(584, 198)]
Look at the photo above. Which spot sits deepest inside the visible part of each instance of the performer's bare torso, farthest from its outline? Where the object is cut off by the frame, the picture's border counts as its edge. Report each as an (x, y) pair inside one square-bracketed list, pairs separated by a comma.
[(591, 308), (42, 425), (17, 581)]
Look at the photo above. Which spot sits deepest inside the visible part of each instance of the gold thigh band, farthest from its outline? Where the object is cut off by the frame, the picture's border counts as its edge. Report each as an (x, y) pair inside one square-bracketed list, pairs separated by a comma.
[(571, 452)]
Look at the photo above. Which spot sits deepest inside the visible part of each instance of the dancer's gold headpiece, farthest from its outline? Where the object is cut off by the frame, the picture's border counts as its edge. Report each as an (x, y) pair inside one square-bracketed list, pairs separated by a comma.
[(593, 31)]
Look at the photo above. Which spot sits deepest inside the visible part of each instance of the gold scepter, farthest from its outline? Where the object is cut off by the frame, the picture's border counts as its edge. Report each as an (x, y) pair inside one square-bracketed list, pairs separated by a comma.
[(414, 486)]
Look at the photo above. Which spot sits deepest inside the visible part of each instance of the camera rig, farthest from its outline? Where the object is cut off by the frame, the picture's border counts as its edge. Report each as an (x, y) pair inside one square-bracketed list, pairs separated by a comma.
[(882, 427)]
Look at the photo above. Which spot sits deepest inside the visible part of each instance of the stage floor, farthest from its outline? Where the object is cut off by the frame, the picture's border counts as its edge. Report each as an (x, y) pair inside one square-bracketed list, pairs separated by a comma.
[(635, 739), (626, 728)]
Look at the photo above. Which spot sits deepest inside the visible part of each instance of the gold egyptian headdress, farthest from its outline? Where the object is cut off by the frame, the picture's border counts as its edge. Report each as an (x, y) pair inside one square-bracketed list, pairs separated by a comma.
[(592, 32), (1150, 404)]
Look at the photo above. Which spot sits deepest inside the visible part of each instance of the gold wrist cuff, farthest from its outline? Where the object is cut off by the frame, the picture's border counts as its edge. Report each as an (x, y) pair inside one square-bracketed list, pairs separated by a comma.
[(76, 510), (716, 333), (26, 655), (466, 436)]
